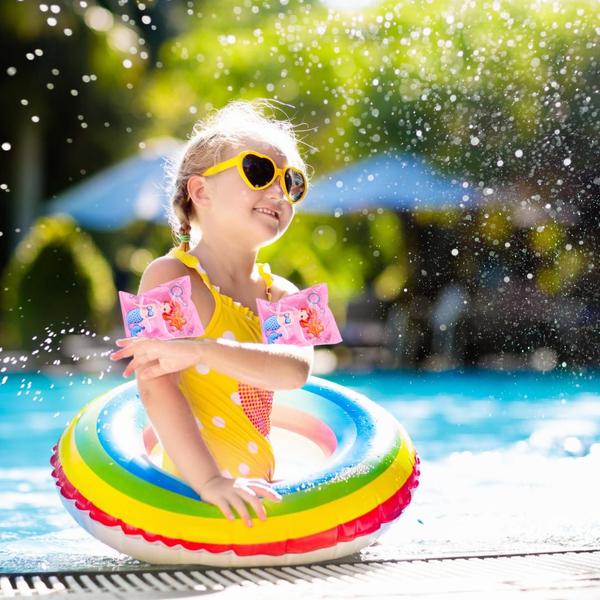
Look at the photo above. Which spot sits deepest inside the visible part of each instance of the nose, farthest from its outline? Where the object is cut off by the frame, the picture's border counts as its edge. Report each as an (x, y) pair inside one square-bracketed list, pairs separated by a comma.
[(276, 191)]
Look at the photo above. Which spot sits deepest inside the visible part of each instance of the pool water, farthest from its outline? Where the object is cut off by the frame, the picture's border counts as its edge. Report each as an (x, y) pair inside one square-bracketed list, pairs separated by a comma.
[(509, 463)]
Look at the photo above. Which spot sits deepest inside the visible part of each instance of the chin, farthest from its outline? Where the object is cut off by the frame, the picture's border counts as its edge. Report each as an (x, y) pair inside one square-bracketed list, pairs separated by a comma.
[(268, 241), (272, 234)]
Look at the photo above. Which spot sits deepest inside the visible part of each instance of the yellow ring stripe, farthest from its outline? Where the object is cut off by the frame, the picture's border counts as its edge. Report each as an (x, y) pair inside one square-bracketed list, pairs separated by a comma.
[(219, 531)]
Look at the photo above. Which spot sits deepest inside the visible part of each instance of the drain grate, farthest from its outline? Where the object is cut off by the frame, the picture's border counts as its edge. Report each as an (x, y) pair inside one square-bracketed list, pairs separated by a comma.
[(545, 575)]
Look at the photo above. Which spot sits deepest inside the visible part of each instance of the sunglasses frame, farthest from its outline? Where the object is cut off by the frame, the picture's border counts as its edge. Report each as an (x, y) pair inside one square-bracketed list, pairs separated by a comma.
[(238, 162)]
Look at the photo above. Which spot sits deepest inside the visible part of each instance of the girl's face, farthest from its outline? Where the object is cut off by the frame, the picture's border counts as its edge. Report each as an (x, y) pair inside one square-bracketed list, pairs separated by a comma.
[(256, 216)]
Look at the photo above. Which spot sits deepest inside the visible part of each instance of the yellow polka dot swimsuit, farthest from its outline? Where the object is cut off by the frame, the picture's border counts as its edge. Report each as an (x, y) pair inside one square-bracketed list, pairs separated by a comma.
[(233, 418)]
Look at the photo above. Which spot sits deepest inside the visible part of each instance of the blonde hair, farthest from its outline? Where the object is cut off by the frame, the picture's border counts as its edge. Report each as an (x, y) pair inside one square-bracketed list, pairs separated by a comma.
[(237, 121)]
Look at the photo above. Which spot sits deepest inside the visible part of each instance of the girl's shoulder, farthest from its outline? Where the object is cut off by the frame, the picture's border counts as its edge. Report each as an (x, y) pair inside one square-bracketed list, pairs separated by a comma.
[(161, 270)]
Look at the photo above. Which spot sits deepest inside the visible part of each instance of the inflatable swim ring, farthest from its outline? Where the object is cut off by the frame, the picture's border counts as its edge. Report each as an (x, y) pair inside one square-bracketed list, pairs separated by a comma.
[(103, 466)]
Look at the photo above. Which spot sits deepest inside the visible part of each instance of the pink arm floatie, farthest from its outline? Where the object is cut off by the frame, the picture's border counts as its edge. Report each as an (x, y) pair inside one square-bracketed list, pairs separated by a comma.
[(303, 318), (164, 312)]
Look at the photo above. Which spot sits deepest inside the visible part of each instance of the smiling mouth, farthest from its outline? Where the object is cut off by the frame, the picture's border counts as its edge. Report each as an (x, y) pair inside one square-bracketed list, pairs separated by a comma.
[(268, 212)]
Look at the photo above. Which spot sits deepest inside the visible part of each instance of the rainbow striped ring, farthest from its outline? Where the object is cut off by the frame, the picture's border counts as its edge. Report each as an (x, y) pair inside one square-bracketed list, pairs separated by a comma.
[(110, 485)]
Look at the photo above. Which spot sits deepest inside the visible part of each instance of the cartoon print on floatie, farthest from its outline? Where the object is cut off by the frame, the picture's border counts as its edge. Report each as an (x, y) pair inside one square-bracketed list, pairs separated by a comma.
[(303, 318), (173, 309), (164, 312), (136, 317), (273, 324), (310, 322)]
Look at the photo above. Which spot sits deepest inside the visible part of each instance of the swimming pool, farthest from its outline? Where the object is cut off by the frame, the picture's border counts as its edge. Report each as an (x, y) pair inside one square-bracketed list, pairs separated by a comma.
[(510, 462)]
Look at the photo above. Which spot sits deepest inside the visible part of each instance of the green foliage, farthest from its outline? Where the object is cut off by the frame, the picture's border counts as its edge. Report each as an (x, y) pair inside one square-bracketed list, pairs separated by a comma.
[(347, 252), (73, 81), (463, 84), (56, 278)]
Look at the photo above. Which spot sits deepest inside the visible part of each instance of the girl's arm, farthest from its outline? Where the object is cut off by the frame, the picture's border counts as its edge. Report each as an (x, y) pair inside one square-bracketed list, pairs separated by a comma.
[(177, 430), (270, 366), (176, 427)]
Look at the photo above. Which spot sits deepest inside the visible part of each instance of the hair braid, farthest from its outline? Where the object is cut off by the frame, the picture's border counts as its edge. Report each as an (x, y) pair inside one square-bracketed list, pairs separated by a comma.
[(182, 209)]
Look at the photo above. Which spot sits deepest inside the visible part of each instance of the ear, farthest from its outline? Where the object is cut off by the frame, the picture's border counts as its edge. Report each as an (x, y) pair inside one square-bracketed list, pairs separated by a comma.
[(197, 191)]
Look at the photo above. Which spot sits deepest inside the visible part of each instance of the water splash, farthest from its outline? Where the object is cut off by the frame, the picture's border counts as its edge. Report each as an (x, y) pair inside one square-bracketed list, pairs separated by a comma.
[(69, 350)]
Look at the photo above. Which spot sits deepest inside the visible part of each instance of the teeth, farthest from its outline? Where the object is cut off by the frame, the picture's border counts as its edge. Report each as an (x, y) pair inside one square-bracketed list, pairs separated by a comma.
[(266, 211)]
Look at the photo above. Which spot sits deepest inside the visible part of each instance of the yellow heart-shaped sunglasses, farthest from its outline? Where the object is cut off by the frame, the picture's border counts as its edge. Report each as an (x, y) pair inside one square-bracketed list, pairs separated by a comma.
[(259, 171)]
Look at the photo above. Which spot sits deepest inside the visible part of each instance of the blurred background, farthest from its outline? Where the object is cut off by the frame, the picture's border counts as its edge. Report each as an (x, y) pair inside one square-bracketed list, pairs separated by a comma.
[(455, 185), (454, 154)]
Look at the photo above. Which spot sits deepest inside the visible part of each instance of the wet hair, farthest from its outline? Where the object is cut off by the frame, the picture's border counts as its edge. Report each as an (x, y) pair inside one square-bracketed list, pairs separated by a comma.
[(238, 121)]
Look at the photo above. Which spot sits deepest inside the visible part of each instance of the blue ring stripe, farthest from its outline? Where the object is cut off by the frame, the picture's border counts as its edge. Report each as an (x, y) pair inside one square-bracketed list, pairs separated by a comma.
[(136, 464)]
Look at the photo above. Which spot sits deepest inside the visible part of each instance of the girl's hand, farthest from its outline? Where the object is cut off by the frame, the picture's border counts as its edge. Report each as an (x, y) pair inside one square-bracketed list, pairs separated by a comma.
[(153, 358), (234, 494)]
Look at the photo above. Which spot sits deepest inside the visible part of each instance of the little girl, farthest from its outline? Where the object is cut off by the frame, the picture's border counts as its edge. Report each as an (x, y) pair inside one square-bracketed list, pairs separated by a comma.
[(209, 399)]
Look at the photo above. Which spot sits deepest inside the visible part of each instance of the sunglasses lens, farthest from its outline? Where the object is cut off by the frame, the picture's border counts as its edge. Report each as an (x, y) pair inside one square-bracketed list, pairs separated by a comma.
[(259, 171), (295, 184)]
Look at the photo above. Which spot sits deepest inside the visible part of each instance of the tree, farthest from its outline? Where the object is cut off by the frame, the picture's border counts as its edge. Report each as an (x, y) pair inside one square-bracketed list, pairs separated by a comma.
[(68, 104)]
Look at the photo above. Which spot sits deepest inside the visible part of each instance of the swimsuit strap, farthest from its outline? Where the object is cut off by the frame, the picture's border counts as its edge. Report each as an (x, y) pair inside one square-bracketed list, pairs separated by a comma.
[(192, 262), (189, 260), (265, 272)]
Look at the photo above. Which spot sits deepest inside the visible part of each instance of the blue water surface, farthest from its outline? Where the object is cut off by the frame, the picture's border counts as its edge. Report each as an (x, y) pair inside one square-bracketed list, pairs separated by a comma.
[(508, 461)]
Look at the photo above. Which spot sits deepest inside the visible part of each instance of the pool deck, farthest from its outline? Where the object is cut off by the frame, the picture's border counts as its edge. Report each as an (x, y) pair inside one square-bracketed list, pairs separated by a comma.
[(562, 575)]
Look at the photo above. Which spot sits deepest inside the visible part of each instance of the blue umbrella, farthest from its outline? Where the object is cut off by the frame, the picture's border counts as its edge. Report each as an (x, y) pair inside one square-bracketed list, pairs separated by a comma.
[(134, 189), (390, 181)]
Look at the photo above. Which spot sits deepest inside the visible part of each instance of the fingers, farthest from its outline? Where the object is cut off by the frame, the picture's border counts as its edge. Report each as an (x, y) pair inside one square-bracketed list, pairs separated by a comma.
[(258, 507), (125, 342), (251, 497), (242, 510), (124, 352), (129, 346), (133, 365), (240, 495), (264, 490), (144, 367), (223, 506), (240, 500), (142, 351), (126, 346), (119, 354), (154, 370)]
